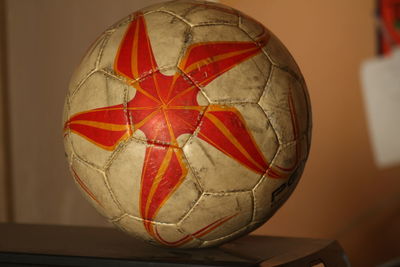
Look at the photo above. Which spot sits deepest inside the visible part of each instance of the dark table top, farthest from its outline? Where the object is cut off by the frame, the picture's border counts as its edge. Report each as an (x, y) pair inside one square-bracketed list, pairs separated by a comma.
[(50, 245)]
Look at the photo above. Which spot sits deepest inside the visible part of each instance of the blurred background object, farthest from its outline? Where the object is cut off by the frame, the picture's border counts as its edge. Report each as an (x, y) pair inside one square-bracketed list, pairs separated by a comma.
[(380, 81), (388, 13), (342, 194)]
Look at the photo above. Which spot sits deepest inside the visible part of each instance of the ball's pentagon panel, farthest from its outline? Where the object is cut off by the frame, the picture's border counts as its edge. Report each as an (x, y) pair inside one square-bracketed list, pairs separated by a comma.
[(187, 124)]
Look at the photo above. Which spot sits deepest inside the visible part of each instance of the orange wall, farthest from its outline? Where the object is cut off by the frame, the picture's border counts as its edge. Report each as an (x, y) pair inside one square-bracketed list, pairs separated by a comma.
[(342, 194)]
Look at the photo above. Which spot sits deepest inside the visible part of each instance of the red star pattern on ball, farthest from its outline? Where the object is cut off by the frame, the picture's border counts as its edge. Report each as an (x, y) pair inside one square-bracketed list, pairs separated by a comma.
[(165, 108)]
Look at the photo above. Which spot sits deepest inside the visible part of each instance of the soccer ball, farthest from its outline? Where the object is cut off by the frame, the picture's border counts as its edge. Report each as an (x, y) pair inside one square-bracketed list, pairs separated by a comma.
[(187, 124)]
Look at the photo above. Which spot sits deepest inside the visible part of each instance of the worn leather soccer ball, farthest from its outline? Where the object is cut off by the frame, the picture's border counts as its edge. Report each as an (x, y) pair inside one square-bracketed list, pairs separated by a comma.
[(187, 124)]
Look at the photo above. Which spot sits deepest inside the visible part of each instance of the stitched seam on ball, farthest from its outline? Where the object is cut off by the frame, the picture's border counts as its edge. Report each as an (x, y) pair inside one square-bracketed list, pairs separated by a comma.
[(253, 195), (273, 65), (240, 20), (79, 85), (270, 166), (112, 74), (285, 197), (143, 76), (85, 160), (73, 155), (268, 111), (194, 173), (221, 10), (93, 70), (265, 178), (193, 135), (111, 192), (113, 28), (102, 47), (253, 38), (306, 98), (293, 74), (102, 173), (265, 78), (204, 94), (262, 48), (140, 220), (195, 84), (267, 84), (233, 192), (190, 10), (66, 110), (119, 218), (219, 23), (294, 141), (186, 44), (242, 229), (174, 15), (182, 50), (116, 152), (267, 181), (190, 210)]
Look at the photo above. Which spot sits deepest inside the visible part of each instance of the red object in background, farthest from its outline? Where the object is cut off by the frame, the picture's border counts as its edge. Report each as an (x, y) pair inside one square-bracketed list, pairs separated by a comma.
[(389, 35)]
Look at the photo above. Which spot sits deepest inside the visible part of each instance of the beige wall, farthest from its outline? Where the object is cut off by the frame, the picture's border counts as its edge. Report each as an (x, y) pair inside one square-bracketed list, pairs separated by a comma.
[(342, 194)]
